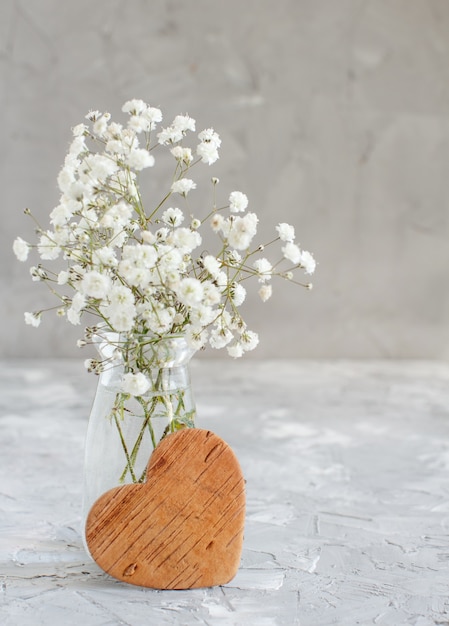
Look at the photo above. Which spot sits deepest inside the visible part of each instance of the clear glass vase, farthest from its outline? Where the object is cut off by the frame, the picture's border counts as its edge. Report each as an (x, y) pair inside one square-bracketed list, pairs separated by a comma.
[(124, 429)]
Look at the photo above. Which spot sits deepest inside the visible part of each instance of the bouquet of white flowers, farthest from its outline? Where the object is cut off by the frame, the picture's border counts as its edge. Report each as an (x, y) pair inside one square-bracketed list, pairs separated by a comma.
[(136, 270)]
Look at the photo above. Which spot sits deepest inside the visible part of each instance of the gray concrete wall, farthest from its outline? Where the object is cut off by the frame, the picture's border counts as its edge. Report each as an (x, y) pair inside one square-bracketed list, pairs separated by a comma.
[(334, 115)]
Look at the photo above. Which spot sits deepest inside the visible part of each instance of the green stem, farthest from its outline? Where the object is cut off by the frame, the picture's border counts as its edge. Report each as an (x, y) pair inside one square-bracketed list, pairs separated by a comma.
[(129, 465)]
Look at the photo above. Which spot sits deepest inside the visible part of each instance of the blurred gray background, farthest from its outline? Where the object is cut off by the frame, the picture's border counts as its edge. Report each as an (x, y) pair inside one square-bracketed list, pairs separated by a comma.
[(334, 116)]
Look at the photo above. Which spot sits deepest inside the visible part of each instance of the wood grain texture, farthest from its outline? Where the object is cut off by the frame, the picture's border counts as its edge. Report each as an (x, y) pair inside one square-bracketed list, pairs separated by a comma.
[(183, 527)]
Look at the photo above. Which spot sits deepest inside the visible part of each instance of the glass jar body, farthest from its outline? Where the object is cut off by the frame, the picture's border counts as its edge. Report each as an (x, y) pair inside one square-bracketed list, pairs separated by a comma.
[(124, 428)]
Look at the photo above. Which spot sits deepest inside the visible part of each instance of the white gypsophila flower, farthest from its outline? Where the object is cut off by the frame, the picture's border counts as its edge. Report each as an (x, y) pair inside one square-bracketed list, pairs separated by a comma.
[(184, 123), (38, 274), (79, 130), (292, 252), (234, 257), (190, 291), (240, 231), (21, 249), (139, 159), (182, 154), (195, 223), (216, 222), (172, 217), (78, 302), (221, 279), (212, 294), (153, 115), (265, 292), (169, 135), (238, 294), (285, 232), (212, 265), (73, 316), (104, 256), (249, 340), (47, 247), (61, 214), (307, 262), (264, 269), (202, 316), (196, 338), (77, 146), (99, 127), (121, 295), (66, 178), (208, 135), (185, 239), (63, 277), (235, 350), (183, 186), (135, 106), (148, 236), (97, 167), (121, 318), (238, 202), (135, 384), (220, 337), (32, 319), (95, 284), (208, 152)]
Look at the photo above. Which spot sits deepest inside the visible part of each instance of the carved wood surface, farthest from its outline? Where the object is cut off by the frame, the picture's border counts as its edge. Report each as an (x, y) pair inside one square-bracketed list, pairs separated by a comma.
[(183, 527)]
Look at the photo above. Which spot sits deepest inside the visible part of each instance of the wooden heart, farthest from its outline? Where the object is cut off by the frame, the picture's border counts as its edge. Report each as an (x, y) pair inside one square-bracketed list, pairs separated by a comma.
[(183, 527)]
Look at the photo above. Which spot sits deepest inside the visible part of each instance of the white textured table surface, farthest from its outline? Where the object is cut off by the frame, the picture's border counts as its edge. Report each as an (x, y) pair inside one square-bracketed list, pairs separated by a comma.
[(347, 468)]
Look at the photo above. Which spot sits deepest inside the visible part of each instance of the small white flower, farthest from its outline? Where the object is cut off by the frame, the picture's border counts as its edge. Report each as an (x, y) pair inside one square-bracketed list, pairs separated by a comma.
[(182, 154), (235, 350), (21, 249), (265, 292), (307, 262), (135, 384), (207, 152), (216, 222), (238, 294), (63, 277), (169, 135), (238, 202), (241, 230), (73, 316), (264, 268), (184, 123), (183, 186), (220, 337), (172, 217), (212, 265), (95, 284), (249, 340), (38, 274), (196, 338), (47, 247), (134, 106), (292, 252), (153, 115), (208, 135), (285, 232), (78, 302), (139, 159), (121, 318), (190, 291), (185, 239), (33, 319), (122, 296)]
